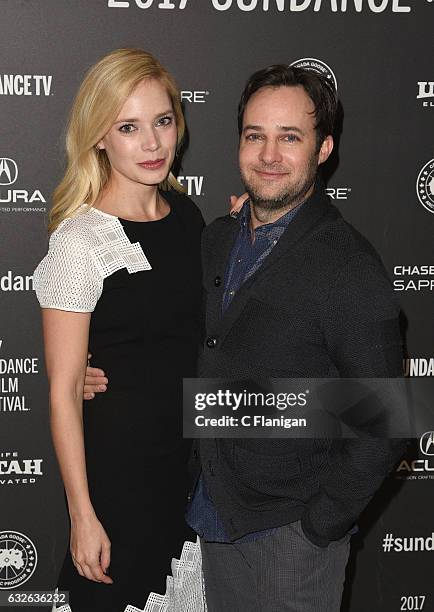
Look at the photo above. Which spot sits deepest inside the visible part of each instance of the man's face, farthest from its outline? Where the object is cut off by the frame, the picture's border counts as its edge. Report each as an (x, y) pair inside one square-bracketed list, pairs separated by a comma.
[(278, 154)]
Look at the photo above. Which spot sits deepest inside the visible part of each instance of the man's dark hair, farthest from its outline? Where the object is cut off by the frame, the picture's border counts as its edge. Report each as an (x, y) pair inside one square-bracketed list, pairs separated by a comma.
[(319, 90)]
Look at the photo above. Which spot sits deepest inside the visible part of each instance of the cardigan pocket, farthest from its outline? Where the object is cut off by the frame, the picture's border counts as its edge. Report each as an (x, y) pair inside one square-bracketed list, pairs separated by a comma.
[(267, 475)]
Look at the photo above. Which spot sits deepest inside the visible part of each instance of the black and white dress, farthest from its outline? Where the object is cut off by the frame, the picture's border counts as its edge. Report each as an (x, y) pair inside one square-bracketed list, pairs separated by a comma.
[(142, 283)]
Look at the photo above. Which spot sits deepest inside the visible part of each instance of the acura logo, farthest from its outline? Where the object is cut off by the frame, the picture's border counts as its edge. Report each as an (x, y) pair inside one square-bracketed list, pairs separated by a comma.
[(427, 443), (8, 171)]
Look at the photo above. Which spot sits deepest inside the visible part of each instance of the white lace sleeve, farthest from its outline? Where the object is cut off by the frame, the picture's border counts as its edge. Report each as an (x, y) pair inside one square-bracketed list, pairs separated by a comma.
[(67, 278)]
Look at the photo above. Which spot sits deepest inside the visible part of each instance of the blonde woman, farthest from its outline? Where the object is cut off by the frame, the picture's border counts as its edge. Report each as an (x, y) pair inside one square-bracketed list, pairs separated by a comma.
[(122, 278)]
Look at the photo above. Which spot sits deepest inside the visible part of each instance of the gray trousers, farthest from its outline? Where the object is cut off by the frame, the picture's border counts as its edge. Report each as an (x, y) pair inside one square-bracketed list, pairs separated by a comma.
[(282, 572)]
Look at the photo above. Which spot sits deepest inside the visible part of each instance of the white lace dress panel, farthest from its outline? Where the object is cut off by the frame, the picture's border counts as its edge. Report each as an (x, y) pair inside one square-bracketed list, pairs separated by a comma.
[(83, 251)]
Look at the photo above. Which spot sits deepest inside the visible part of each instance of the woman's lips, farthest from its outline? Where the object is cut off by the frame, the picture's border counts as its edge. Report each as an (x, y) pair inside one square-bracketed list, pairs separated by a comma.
[(152, 165)]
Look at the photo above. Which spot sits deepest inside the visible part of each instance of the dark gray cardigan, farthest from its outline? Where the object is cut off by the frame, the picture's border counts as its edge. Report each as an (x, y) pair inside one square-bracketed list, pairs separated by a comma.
[(320, 306)]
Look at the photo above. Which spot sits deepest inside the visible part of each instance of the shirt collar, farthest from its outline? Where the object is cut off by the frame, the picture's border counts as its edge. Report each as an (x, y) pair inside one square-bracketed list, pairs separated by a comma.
[(244, 218)]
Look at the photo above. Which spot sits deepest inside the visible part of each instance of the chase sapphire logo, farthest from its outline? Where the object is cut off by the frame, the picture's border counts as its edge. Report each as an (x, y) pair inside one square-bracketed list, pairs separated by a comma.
[(318, 66)]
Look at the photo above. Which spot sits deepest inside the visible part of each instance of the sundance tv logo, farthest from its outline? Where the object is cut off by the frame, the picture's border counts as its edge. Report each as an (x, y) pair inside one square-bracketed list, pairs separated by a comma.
[(12, 200), (25, 84), (425, 186), (318, 66), (194, 184)]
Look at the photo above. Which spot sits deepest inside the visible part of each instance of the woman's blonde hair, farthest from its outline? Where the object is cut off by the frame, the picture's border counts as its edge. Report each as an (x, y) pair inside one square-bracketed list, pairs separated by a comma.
[(98, 102)]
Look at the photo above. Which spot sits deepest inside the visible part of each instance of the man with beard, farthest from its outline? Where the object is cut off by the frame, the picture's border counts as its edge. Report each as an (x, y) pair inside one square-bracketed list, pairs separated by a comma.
[(292, 291)]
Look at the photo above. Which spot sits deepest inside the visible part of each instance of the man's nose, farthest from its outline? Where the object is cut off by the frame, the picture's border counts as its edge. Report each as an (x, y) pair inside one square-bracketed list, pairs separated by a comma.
[(270, 152)]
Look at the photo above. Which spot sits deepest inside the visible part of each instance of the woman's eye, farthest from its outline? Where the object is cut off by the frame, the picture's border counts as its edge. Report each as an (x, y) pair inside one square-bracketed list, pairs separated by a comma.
[(127, 128), (165, 120)]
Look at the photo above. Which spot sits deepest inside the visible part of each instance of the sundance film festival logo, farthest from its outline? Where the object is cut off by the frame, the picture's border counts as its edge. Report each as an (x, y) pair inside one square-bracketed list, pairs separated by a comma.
[(318, 66), (425, 186), (25, 84), (295, 6), (17, 471), (426, 93), (15, 200), (18, 559)]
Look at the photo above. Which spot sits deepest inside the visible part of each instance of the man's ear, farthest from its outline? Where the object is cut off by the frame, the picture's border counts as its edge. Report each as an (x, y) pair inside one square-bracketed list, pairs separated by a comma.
[(326, 149)]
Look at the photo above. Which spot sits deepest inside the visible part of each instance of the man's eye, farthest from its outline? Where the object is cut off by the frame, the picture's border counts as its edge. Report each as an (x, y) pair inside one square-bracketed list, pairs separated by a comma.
[(254, 137), (291, 138), (165, 120), (127, 128)]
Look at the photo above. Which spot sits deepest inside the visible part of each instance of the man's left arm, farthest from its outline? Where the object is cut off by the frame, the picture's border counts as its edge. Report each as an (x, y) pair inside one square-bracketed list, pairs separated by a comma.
[(362, 335)]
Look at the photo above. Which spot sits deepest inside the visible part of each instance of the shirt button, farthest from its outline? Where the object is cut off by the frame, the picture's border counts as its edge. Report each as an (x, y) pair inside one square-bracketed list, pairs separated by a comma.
[(239, 260), (232, 292), (211, 342), (217, 281), (274, 241)]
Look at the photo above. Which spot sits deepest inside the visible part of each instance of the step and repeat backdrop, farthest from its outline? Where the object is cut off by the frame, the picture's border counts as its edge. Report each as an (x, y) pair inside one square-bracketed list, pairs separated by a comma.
[(379, 55)]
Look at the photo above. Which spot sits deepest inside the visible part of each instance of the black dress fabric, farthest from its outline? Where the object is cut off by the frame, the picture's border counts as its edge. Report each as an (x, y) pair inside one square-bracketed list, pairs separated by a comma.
[(145, 333)]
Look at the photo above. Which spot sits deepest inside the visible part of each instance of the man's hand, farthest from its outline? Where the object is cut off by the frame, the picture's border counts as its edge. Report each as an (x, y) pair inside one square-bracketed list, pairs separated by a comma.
[(95, 381), (237, 202)]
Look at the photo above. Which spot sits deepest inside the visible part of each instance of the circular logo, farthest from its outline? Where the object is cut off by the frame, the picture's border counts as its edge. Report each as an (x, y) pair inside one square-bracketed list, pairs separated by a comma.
[(318, 66), (425, 186), (18, 559)]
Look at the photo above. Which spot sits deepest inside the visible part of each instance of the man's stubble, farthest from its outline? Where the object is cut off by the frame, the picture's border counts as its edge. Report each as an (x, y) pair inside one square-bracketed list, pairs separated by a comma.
[(289, 196)]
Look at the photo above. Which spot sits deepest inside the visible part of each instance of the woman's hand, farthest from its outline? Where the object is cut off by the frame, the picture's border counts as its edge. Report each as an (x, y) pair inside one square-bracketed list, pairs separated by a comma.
[(90, 549), (237, 202)]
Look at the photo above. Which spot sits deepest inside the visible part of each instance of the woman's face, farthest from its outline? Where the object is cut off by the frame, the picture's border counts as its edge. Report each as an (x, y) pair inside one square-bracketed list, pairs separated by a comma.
[(141, 144)]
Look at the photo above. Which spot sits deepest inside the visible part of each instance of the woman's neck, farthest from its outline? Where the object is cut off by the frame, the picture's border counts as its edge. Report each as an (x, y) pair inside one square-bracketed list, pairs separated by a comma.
[(134, 201)]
